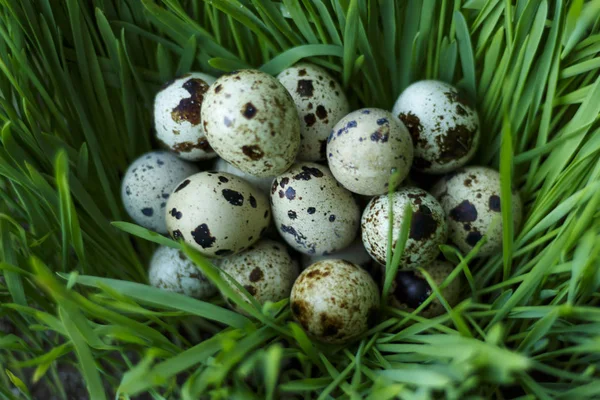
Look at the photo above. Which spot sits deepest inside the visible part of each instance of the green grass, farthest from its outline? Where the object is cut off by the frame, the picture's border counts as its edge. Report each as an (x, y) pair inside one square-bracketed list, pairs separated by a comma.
[(77, 82)]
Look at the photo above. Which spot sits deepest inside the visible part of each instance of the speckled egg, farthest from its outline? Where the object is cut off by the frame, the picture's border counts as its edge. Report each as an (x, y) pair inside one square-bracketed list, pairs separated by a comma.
[(313, 213), (264, 184), (366, 147), (171, 270), (321, 103), (335, 301), (147, 184), (266, 270), (427, 231), (217, 213), (410, 289), (177, 118), (444, 125), (471, 199), (251, 121)]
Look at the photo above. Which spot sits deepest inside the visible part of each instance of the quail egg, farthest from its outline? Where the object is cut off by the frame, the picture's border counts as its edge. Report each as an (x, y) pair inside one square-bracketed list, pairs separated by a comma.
[(471, 200), (427, 231), (177, 118), (312, 212), (321, 103), (217, 213), (266, 270), (170, 269), (366, 147), (444, 125), (251, 121), (264, 184), (335, 301), (410, 289), (147, 184)]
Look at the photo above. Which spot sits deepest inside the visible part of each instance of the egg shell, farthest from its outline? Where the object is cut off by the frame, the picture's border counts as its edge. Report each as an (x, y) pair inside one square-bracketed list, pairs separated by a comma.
[(443, 123), (321, 103), (177, 117), (366, 147), (217, 213), (263, 184), (170, 269), (266, 270), (335, 301), (427, 231), (313, 213), (471, 200), (251, 121), (410, 289), (148, 183)]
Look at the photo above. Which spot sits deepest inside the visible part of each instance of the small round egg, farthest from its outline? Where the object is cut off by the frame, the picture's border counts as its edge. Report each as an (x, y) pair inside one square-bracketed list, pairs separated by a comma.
[(444, 125), (410, 289), (313, 213), (264, 184), (471, 200), (321, 102), (266, 270), (251, 121), (170, 269), (366, 147), (217, 213), (147, 185), (177, 117), (427, 231), (335, 301)]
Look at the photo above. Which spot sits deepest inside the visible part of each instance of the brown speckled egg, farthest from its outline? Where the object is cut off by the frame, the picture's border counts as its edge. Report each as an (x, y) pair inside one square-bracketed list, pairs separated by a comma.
[(471, 200), (427, 231), (251, 121), (410, 289), (321, 103), (335, 301), (266, 270)]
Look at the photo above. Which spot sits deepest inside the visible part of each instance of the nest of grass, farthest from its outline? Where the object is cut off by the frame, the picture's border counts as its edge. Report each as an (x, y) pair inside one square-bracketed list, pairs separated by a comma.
[(77, 85)]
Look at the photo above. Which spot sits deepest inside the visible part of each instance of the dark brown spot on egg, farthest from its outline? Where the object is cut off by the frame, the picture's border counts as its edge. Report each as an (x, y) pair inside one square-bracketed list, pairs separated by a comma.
[(331, 324), (256, 275), (455, 143), (249, 110), (305, 88), (464, 212), (309, 119), (223, 179), (495, 203), (218, 88), (413, 124), (251, 289), (176, 235), (301, 72), (252, 201), (182, 185), (321, 112), (188, 109), (422, 225), (233, 197), (186, 147), (203, 237), (473, 237), (253, 152), (308, 173)]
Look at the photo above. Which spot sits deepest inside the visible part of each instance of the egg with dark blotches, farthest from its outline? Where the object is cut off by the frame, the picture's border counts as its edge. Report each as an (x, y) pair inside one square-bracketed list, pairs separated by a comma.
[(217, 213), (366, 147), (443, 123), (410, 289), (264, 184), (177, 118), (266, 270), (335, 301), (321, 103), (313, 213), (147, 185), (170, 269), (251, 121), (471, 200), (427, 230)]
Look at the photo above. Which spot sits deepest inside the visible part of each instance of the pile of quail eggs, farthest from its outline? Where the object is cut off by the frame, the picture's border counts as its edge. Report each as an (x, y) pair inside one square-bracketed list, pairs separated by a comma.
[(272, 176)]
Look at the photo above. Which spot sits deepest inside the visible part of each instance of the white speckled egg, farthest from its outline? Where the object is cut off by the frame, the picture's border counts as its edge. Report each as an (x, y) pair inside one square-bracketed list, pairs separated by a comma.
[(217, 213), (313, 213), (471, 199), (264, 184), (177, 118), (335, 301), (147, 184), (444, 125), (321, 103), (410, 289), (427, 231), (251, 121), (366, 147), (170, 269), (266, 270)]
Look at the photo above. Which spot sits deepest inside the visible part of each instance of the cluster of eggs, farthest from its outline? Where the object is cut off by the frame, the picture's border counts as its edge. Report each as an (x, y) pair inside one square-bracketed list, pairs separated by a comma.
[(293, 163)]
